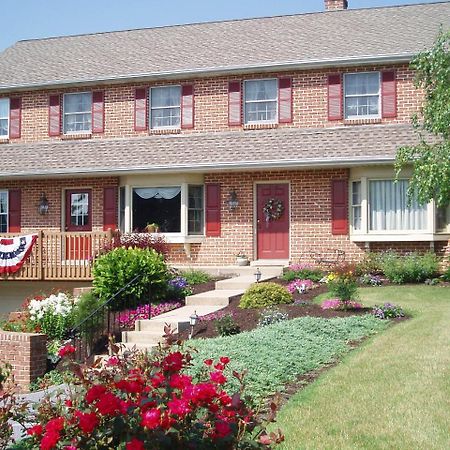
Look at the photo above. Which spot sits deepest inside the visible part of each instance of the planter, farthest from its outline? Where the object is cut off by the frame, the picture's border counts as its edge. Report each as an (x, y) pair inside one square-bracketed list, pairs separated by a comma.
[(242, 261)]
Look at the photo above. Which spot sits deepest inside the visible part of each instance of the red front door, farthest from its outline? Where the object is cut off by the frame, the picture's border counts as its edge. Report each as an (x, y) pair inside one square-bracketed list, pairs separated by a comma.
[(273, 228), (78, 219)]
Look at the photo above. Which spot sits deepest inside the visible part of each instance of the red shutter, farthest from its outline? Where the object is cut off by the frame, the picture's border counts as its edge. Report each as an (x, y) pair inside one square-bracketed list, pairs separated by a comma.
[(109, 208), (234, 103), (335, 97), (98, 112), (285, 100), (212, 210), (140, 109), (15, 117), (54, 115), (14, 211), (388, 94), (339, 207), (187, 106)]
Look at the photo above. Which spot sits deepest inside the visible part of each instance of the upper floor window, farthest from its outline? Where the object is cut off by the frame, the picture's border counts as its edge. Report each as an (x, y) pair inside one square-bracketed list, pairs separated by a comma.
[(261, 101), (3, 211), (165, 107), (362, 95), (4, 117), (77, 111)]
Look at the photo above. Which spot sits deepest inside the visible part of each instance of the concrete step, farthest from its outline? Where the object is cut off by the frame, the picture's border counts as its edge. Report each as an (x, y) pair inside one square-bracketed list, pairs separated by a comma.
[(274, 270), (142, 337), (221, 297), (272, 263), (138, 346), (243, 282)]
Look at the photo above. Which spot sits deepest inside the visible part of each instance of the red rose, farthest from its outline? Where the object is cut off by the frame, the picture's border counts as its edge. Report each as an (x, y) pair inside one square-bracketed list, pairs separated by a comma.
[(224, 360), (55, 425), (178, 407), (135, 444), (208, 362), (66, 350), (36, 430), (222, 430), (94, 393), (218, 377), (200, 393), (157, 380), (173, 362), (151, 418), (112, 361), (109, 405), (87, 421), (50, 439), (178, 381), (219, 366)]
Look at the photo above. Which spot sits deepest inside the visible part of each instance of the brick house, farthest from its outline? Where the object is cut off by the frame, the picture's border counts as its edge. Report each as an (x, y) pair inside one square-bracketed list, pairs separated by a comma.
[(272, 136)]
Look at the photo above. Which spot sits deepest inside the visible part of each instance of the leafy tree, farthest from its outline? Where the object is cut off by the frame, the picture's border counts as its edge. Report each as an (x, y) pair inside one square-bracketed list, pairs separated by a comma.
[(430, 158)]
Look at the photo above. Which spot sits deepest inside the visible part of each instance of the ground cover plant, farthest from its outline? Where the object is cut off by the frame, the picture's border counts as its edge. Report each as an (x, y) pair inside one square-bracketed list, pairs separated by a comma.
[(277, 354), (390, 393), (302, 272)]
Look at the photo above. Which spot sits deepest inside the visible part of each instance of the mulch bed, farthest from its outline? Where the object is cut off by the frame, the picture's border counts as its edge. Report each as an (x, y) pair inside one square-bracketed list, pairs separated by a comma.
[(247, 319)]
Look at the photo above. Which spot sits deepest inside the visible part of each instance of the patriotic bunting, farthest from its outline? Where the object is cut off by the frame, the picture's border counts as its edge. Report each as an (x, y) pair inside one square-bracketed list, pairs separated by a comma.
[(14, 252)]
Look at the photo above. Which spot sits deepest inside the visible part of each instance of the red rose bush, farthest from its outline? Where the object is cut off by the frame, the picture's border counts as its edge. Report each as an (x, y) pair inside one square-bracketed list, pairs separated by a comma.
[(137, 401)]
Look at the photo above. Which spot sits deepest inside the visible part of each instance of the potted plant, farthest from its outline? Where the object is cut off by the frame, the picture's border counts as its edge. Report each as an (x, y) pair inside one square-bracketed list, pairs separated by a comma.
[(152, 228), (242, 259)]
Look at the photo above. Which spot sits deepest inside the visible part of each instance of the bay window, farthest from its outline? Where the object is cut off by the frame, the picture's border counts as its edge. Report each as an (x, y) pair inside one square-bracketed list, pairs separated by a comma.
[(3, 211), (362, 95), (261, 101), (77, 112), (4, 117)]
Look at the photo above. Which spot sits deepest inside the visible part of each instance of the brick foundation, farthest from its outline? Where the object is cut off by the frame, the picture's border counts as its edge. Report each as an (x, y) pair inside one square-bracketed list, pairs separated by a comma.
[(27, 353)]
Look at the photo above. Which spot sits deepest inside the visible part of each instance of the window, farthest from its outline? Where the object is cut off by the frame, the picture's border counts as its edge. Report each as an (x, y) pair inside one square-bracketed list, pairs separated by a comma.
[(157, 205), (77, 112), (3, 211), (261, 101), (356, 205), (389, 210), (362, 95), (4, 117), (165, 107), (195, 210), (443, 219)]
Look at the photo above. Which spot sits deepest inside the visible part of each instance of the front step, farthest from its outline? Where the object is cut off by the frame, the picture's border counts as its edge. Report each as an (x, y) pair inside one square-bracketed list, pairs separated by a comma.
[(138, 346), (221, 298), (142, 337), (240, 283)]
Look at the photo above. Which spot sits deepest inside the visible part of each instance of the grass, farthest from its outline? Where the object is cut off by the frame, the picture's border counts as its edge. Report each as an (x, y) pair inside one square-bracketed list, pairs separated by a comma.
[(276, 354), (391, 393)]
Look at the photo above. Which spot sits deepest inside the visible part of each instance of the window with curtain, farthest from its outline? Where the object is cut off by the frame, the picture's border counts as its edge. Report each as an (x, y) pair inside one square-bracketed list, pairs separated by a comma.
[(260, 100), (389, 209), (165, 107), (362, 95), (157, 205), (3, 211), (77, 112), (4, 117), (195, 210)]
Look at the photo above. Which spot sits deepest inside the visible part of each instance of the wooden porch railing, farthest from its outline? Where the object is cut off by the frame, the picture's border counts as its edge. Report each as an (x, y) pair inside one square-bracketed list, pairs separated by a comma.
[(61, 256)]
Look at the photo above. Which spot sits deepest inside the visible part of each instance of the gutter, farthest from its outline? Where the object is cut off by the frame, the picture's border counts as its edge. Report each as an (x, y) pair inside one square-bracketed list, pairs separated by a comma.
[(210, 167), (216, 71)]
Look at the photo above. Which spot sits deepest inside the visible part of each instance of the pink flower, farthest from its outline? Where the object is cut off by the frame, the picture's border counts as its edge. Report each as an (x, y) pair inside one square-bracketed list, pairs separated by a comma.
[(66, 350), (112, 361)]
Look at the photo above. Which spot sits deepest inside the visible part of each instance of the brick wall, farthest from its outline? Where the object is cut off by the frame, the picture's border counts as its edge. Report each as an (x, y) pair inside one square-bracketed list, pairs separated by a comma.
[(54, 190), (27, 353), (211, 103)]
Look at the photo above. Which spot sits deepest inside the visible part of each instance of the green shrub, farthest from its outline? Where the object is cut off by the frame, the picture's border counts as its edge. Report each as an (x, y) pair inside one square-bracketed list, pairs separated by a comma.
[(226, 326), (370, 264), (260, 295), (411, 268), (343, 286), (446, 274), (195, 276), (86, 314), (303, 274), (113, 270)]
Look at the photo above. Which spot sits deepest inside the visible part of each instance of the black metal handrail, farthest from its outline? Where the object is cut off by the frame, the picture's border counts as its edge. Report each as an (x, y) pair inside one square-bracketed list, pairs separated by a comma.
[(86, 341)]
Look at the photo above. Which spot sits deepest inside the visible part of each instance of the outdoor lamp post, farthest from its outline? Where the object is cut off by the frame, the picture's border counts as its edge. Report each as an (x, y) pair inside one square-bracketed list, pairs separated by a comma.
[(192, 322), (258, 275)]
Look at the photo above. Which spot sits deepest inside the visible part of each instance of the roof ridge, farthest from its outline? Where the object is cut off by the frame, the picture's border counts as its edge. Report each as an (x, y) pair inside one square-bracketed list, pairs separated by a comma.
[(157, 27)]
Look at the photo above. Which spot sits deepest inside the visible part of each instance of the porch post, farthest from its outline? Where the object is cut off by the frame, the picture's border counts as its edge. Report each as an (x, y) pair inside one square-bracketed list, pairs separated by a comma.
[(40, 263)]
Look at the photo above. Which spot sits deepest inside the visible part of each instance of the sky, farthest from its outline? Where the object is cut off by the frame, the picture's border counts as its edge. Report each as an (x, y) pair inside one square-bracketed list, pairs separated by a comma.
[(30, 19)]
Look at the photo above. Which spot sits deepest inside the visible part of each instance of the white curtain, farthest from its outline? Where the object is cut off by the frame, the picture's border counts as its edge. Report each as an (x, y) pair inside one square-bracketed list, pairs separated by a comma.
[(166, 193), (389, 209)]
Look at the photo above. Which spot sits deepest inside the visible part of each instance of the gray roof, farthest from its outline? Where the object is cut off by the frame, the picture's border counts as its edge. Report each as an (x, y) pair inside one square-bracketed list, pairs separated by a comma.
[(206, 152), (374, 34)]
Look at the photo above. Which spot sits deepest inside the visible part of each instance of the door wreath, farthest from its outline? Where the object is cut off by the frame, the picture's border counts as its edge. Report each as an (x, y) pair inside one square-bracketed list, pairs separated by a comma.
[(273, 209)]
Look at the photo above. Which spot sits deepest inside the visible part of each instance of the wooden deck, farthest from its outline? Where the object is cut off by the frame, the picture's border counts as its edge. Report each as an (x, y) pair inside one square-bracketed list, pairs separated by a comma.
[(61, 256)]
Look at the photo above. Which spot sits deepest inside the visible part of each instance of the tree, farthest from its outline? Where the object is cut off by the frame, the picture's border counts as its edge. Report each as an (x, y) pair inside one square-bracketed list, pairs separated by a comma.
[(430, 158)]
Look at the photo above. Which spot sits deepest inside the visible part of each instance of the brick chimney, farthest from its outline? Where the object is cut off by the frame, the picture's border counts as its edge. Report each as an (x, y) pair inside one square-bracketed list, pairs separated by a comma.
[(335, 5)]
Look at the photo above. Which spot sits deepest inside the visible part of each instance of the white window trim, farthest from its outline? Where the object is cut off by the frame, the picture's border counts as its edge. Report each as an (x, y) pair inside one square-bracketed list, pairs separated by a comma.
[(204, 210), (80, 112), (181, 237), (367, 235), (6, 136), (7, 209), (276, 100), (151, 108), (367, 116)]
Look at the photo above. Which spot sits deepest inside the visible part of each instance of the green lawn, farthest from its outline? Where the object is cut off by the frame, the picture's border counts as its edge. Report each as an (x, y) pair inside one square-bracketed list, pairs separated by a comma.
[(391, 393)]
